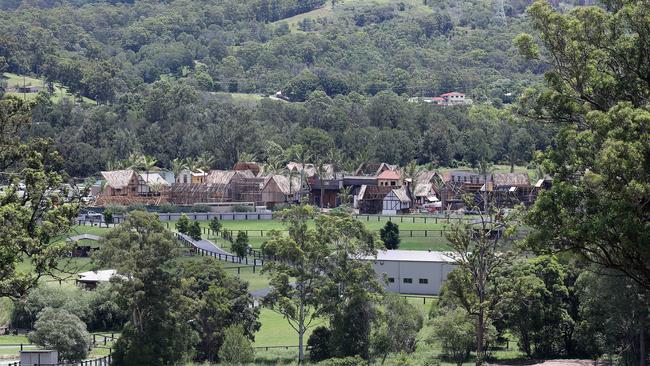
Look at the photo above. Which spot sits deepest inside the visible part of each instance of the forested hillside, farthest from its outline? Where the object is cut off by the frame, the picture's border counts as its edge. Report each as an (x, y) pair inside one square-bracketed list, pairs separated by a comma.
[(152, 66), (103, 49)]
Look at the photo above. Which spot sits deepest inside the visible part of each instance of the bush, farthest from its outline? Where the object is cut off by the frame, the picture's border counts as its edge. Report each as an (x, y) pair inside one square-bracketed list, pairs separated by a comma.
[(347, 361), (116, 209), (456, 333), (62, 331), (236, 348), (242, 208), (72, 299), (195, 231), (136, 207), (318, 344), (183, 224), (215, 225), (168, 208), (390, 235), (200, 208), (105, 313), (240, 245), (97, 309)]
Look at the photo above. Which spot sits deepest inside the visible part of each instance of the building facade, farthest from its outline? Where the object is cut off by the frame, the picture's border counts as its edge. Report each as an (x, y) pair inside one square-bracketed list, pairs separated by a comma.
[(412, 271)]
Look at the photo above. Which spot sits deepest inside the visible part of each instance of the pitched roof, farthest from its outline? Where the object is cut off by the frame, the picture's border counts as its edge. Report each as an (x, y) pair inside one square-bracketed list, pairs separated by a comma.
[(511, 179), (389, 174), (248, 165), (224, 177), (311, 169), (97, 276), (423, 189), (412, 256), (402, 195), (450, 94), (367, 192), (118, 179), (459, 175), (426, 176), (373, 169), (283, 184), (153, 179)]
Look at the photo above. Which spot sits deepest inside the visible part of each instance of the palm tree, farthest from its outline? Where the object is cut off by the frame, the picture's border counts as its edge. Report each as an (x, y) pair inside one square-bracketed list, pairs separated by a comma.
[(177, 166), (345, 195), (205, 161), (192, 164), (302, 155), (244, 157), (334, 157), (320, 170), (412, 171)]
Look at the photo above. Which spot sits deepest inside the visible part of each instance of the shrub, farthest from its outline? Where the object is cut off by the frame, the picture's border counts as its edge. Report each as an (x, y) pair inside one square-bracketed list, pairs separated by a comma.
[(456, 333), (168, 208), (136, 207), (240, 245), (242, 208), (195, 231), (200, 208), (62, 331), (108, 217), (236, 348), (72, 299), (215, 225), (390, 235), (319, 344), (347, 361), (116, 209), (183, 224)]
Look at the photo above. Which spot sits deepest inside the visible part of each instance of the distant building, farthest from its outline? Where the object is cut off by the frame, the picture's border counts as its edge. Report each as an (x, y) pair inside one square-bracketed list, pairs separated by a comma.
[(252, 166), (412, 271), (91, 279), (453, 98), (389, 178), (397, 201), (278, 189)]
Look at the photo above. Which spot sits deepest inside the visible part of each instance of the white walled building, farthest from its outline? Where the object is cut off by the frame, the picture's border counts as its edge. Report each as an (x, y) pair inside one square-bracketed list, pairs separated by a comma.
[(413, 271)]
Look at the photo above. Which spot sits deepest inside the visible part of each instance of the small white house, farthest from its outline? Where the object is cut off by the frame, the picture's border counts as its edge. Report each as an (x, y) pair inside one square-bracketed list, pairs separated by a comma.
[(396, 201), (413, 271)]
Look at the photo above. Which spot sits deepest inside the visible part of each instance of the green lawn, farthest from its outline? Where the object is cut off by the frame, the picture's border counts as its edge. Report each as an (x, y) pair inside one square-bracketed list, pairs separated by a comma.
[(434, 240), (60, 91), (276, 331)]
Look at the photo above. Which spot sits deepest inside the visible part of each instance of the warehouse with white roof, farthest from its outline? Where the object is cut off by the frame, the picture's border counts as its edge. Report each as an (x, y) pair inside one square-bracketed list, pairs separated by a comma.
[(413, 271)]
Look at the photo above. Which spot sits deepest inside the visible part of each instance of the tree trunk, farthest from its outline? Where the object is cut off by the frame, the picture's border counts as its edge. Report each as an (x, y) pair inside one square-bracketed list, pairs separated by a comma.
[(480, 335), (322, 194), (301, 333)]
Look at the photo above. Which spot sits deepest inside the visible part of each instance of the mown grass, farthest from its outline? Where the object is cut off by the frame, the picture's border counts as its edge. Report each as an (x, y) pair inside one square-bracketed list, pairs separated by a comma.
[(60, 91), (411, 233)]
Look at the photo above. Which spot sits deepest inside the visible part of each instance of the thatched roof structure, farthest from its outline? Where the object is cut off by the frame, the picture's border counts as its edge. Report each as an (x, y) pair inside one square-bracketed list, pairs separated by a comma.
[(118, 179)]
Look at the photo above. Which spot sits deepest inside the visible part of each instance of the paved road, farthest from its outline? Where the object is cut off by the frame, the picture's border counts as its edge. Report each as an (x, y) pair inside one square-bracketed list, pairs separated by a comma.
[(204, 244)]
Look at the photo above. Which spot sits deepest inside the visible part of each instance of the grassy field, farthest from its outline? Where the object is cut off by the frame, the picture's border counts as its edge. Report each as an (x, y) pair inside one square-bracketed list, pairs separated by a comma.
[(344, 6), (411, 240), (60, 91)]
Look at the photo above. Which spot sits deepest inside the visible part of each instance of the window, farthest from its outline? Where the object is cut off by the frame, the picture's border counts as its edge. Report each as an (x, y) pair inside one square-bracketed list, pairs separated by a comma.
[(408, 280), (392, 183), (424, 281), (391, 280)]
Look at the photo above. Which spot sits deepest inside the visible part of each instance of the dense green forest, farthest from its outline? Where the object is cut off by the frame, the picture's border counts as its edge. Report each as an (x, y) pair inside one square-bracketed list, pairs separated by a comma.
[(154, 67)]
